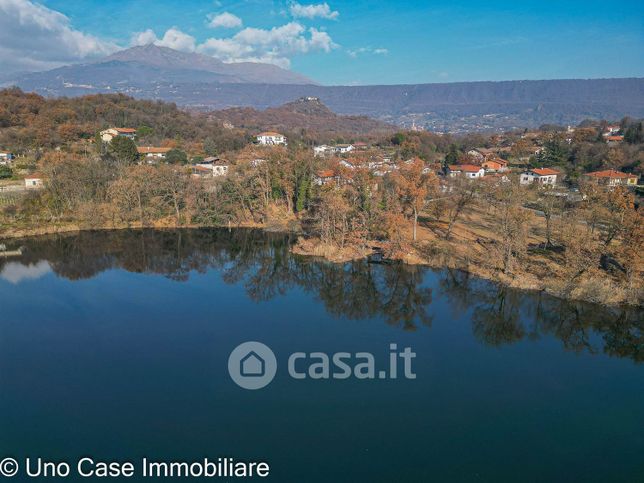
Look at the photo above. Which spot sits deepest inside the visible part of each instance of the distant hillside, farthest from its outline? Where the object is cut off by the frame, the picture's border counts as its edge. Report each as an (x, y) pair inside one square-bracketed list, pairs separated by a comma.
[(204, 83), (302, 116)]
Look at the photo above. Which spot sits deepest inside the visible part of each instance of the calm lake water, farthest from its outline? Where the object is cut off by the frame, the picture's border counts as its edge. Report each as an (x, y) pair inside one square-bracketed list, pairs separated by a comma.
[(115, 345)]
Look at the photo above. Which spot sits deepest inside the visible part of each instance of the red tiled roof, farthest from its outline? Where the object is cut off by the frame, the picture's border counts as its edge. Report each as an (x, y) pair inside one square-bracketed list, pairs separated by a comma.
[(127, 130), (468, 168), (610, 173), (545, 171), (615, 138)]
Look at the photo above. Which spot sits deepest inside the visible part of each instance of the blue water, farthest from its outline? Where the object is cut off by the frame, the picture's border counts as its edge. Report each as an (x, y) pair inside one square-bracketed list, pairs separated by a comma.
[(115, 345)]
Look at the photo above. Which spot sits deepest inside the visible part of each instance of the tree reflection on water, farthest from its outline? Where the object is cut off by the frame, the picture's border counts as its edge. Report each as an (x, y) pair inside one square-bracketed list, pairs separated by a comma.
[(402, 295)]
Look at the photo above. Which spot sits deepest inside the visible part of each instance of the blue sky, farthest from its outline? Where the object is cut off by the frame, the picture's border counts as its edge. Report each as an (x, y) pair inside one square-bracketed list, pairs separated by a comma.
[(367, 42)]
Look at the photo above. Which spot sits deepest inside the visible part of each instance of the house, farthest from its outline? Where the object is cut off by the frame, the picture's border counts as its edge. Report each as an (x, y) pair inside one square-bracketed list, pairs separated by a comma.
[(479, 154), (271, 139), (610, 140), (6, 158), (325, 177), (210, 168), (544, 176), (610, 177), (108, 134), (496, 165), (360, 146), (321, 150), (470, 171), (344, 148), (34, 181), (152, 152), (610, 130)]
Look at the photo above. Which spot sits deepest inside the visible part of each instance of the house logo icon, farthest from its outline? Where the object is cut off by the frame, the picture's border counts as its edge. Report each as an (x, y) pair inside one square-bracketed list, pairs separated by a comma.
[(252, 365)]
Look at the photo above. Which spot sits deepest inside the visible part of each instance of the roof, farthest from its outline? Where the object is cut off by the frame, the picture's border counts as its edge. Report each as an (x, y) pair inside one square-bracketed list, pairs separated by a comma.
[(34, 176), (545, 171), (126, 130), (610, 173), (468, 168), (270, 133), (500, 161), (151, 150), (615, 138)]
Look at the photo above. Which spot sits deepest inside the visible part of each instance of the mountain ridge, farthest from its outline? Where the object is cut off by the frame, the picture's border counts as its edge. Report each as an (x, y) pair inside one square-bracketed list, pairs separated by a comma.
[(200, 82)]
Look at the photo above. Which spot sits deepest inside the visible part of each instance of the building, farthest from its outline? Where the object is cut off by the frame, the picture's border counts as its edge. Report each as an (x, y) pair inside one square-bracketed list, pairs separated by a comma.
[(325, 177), (610, 177), (6, 159), (34, 181), (344, 148), (610, 140), (496, 165), (544, 176), (271, 139), (360, 146), (108, 134), (610, 130), (470, 171), (210, 168), (152, 152)]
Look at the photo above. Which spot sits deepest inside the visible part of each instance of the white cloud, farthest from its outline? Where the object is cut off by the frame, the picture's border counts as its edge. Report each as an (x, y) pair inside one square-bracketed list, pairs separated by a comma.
[(367, 50), (274, 46), (173, 38), (225, 20), (15, 272), (321, 10), (34, 37)]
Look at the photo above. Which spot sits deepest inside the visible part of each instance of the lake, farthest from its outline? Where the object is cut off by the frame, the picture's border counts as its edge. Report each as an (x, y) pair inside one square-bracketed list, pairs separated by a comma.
[(115, 345)]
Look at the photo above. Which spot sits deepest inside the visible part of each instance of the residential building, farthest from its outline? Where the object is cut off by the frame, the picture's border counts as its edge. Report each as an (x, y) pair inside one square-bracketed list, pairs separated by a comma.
[(610, 177), (108, 134), (153, 152), (6, 158), (210, 167), (470, 171), (34, 181), (496, 165), (544, 176), (271, 139), (325, 177), (610, 140)]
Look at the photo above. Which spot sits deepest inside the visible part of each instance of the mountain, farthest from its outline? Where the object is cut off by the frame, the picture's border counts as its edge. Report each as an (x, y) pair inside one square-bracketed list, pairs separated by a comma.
[(143, 69), (305, 114), (202, 82)]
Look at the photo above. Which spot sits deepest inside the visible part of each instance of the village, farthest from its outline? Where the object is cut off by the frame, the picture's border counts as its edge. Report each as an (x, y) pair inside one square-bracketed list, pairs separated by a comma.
[(503, 162)]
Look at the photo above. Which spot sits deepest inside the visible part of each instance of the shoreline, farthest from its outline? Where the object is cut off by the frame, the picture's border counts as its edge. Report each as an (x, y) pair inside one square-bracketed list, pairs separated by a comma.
[(312, 248)]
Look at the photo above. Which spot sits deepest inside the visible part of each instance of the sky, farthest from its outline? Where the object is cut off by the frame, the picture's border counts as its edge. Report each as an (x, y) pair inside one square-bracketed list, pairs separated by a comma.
[(343, 42)]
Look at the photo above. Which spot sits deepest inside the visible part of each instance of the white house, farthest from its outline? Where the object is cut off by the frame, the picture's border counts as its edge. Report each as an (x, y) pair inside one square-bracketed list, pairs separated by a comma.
[(153, 152), (344, 148), (321, 150), (108, 134), (271, 139), (470, 171), (34, 181), (544, 176)]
